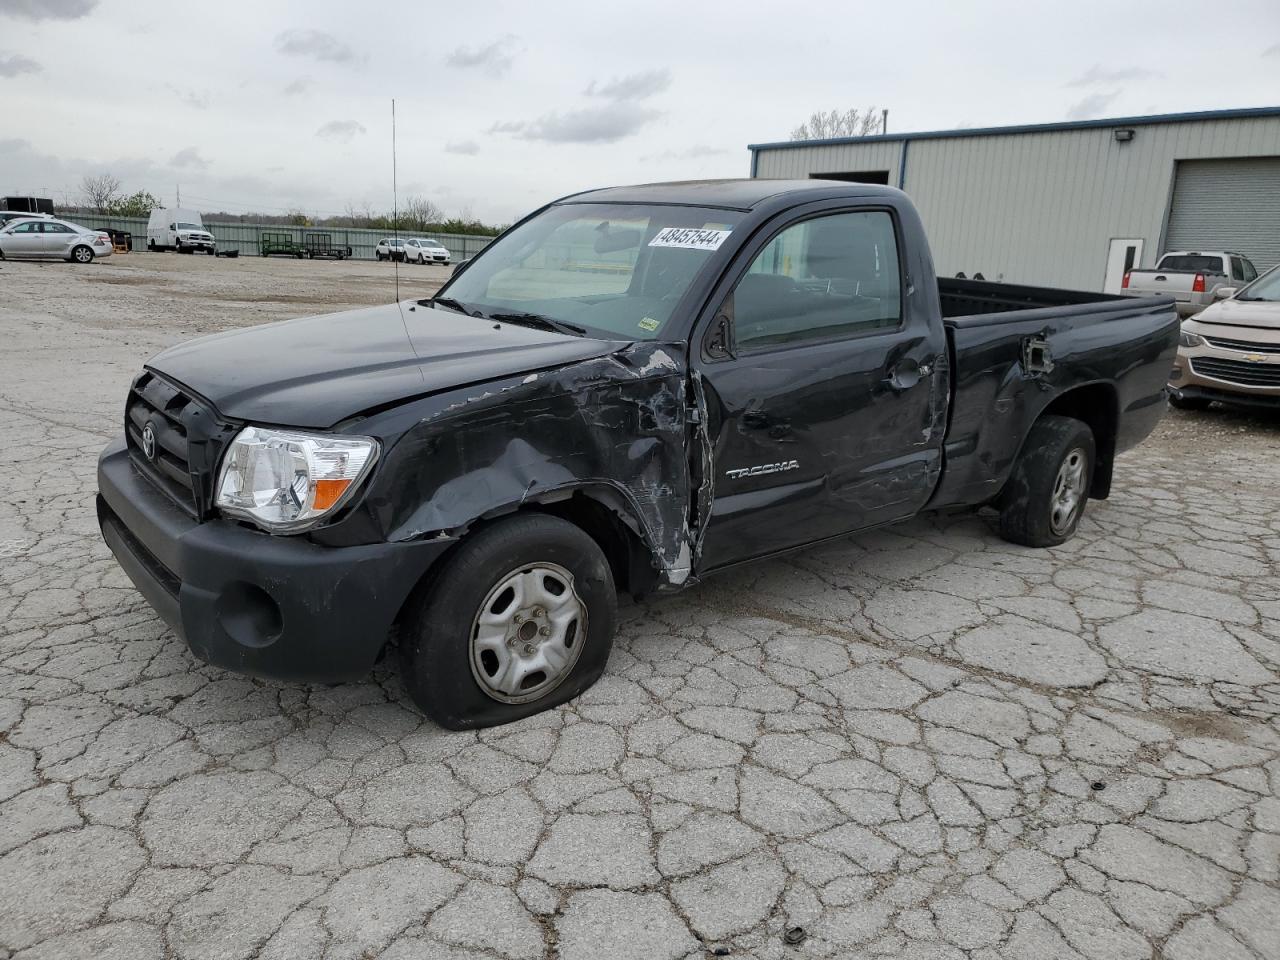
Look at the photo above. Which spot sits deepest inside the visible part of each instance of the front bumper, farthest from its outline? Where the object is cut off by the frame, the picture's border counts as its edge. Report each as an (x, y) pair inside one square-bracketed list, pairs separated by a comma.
[(278, 607)]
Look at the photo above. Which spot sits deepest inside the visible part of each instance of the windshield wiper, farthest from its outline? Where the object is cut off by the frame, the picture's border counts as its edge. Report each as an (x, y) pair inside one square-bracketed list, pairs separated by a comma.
[(539, 321), (452, 304)]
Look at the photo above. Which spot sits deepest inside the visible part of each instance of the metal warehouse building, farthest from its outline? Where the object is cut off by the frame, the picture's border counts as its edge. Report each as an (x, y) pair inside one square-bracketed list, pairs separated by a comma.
[(1071, 204)]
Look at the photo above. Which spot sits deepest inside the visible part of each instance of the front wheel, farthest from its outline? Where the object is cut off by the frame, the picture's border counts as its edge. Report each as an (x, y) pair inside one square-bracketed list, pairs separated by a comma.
[(82, 254), (1043, 501), (520, 620)]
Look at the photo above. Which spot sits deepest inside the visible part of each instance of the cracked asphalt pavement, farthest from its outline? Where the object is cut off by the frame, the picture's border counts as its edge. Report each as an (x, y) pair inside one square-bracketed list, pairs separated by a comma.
[(919, 743)]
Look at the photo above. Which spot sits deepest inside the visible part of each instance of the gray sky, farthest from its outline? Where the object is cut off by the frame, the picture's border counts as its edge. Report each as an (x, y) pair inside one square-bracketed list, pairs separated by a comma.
[(502, 106)]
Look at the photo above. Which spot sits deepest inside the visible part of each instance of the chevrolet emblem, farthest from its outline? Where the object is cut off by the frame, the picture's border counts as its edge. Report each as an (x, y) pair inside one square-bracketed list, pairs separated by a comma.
[(1256, 357)]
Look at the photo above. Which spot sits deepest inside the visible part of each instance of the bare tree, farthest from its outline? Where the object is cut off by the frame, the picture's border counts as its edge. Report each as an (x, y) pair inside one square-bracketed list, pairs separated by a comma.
[(100, 191), (358, 215), (848, 123), (418, 212)]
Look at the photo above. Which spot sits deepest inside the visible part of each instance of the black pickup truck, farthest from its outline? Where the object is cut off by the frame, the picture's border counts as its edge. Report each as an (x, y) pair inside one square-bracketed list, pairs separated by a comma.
[(628, 390)]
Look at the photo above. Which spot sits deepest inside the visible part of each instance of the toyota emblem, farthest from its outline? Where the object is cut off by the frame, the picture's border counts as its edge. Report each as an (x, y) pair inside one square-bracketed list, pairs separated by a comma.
[(149, 442)]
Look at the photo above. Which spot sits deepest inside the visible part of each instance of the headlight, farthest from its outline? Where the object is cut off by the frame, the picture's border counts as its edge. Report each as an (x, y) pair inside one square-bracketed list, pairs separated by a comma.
[(1190, 340), (285, 481)]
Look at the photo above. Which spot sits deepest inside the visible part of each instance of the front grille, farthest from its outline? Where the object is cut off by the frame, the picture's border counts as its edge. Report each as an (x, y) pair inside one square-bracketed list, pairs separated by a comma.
[(1244, 346), (1238, 371), (189, 438)]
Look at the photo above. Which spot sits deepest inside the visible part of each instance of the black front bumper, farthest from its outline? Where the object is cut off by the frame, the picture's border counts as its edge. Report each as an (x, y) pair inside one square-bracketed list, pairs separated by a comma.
[(278, 607), (1241, 399)]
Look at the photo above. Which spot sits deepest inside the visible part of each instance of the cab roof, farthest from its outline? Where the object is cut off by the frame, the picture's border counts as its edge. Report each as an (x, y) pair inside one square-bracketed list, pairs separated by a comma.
[(740, 194)]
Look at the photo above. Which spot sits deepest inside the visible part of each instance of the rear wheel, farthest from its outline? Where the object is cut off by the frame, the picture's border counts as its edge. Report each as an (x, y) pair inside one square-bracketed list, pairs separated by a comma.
[(1043, 501), (520, 620), (82, 254)]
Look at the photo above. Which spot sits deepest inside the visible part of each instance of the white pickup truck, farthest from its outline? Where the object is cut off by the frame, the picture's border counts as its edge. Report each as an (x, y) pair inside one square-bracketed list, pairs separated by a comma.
[(1191, 277)]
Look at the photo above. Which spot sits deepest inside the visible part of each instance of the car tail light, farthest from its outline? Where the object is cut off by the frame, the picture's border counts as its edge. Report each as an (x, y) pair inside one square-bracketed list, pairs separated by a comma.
[(1124, 284), (1198, 285)]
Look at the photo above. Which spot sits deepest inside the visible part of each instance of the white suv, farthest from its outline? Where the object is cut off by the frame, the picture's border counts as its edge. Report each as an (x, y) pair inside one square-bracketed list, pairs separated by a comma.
[(422, 250), (389, 249)]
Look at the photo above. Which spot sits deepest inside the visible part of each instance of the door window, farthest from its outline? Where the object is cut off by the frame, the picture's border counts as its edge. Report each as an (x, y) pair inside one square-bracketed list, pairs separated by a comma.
[(57, 228), (1250, 274), (829, 277), (1237, 269), (31, 227)]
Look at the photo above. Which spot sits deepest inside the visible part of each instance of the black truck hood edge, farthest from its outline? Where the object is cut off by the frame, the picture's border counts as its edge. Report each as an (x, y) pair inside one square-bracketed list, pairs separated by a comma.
[(316, 371)]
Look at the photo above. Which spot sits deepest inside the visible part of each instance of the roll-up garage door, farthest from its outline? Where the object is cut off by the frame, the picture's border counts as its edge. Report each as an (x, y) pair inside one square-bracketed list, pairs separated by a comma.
[(1228, 205)]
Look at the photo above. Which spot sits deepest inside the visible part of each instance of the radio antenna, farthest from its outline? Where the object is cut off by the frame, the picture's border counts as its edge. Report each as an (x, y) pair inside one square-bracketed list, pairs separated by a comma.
[(395, 202)]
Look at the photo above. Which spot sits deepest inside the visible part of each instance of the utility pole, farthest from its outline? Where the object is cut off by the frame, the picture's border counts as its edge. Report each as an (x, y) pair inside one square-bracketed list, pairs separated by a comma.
[(179, 203), (884, 121)]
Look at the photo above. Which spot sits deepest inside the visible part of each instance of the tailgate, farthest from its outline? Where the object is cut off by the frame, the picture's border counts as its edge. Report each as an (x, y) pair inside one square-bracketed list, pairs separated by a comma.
[(1170, 283)]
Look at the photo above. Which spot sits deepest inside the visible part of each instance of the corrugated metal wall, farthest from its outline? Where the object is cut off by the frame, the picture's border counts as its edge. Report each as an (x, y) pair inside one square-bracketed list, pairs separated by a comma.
[(1228, 205), (1040, 207), (244, 236)]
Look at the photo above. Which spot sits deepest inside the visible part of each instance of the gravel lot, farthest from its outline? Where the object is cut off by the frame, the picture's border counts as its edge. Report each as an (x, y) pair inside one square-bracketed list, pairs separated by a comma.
[(921, 743)]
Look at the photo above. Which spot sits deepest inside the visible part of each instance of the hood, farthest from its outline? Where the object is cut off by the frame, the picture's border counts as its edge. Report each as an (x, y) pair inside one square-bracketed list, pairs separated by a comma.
[(1241, 313), (317, 371)]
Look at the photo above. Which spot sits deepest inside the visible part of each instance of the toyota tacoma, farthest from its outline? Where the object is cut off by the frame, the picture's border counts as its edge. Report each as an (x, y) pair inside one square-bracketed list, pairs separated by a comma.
[(629, 390)]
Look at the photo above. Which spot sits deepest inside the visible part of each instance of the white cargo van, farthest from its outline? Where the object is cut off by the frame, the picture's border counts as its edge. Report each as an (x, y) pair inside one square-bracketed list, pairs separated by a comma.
[(181, 230)]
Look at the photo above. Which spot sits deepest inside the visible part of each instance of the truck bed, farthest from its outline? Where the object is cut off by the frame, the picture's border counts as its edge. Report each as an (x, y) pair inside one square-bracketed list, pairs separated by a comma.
[(966, 301), (1110, 355)]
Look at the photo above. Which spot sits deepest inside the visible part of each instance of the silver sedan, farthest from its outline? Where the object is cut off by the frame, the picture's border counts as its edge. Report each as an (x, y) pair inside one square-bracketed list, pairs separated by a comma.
[(47, 238)]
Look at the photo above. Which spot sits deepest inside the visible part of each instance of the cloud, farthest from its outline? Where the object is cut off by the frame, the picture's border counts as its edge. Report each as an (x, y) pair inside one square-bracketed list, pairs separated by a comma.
[(16, 65), (696, 152), (315, 44), (341, 131), (189, 157), (1094, 105), (301, 85), (47, 9), (591, 125), (494, 58), (196, 99), (1272, 51), (634, 86), (1096, 76), (468, 148)]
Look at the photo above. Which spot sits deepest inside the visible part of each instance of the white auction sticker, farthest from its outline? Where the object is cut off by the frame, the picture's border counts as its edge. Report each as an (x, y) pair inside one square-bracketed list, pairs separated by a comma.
[(690, 238)]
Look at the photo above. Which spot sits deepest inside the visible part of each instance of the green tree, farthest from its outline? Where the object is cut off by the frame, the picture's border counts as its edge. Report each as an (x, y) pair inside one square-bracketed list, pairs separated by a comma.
[(139, 204)]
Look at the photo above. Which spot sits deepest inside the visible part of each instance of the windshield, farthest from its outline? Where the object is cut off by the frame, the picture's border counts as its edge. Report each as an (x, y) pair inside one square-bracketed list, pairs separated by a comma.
[(1190, 262), (617, 270), (190, 226), (1266, 287), (433, 243)]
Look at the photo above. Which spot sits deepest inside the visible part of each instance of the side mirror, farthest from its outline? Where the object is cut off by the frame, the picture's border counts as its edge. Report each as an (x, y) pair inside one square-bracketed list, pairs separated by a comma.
[(1224, 293)]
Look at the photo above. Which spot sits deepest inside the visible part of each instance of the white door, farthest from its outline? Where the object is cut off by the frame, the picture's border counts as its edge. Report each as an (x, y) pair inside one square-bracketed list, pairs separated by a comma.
[(1122, 256)]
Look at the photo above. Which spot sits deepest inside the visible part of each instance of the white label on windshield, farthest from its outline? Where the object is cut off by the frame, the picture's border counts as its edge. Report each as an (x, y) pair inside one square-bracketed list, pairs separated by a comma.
[(690, 238)]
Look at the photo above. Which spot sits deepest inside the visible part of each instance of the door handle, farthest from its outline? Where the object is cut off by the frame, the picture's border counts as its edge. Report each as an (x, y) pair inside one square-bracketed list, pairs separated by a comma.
[(905, 374)]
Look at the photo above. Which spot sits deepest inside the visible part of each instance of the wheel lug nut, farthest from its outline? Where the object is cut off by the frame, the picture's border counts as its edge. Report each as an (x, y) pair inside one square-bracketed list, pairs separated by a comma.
[(530, 649), (544, 631), (518, 618), (538, 611)]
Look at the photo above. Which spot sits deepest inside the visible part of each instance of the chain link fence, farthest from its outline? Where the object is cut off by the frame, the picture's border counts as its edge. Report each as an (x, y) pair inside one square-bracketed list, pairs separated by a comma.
[(247, 237)]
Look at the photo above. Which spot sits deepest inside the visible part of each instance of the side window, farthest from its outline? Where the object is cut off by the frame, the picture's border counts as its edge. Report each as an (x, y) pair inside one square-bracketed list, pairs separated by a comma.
[(829, 277), (31, 227), (1250, 274), (1237, 269)]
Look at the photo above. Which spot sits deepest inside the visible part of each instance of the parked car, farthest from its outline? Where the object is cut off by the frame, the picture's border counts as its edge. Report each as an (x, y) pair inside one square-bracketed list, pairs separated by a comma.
[(628, 390), (48, 238), (6, 216), (180, 230), (389, 248), (422, 250), (1190, 277), (1230, 351)]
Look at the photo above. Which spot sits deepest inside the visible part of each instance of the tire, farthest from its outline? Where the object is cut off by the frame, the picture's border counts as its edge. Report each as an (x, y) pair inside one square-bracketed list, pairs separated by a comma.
[(455, 685), (82, 254), (151, 245), (1188, 403), (1043, 501)]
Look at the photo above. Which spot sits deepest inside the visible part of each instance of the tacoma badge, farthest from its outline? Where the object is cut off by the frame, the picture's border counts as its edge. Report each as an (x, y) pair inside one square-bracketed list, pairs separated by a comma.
[(761, 469)]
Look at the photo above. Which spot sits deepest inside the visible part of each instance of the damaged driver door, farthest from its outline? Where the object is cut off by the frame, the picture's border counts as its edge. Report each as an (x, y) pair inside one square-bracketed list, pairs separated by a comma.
[(825, 386)]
